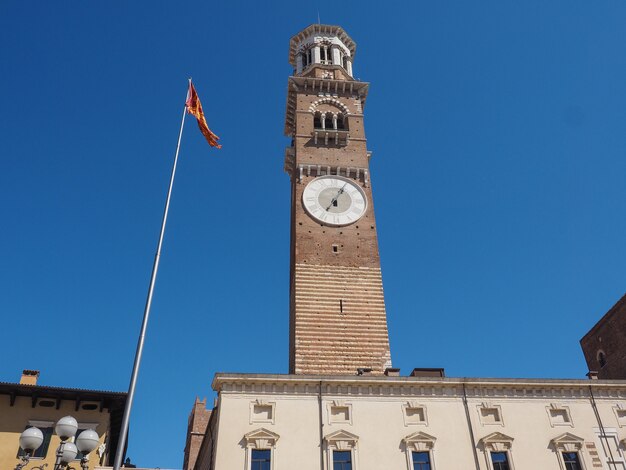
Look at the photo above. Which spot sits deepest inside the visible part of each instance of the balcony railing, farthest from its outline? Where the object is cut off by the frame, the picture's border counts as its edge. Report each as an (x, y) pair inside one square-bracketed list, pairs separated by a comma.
[(337, 137)]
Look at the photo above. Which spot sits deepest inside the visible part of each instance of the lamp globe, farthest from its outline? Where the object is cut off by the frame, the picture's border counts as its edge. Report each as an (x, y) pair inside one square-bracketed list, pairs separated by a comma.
[(66, 427), (69, 452), (31, 439), (87, 441)]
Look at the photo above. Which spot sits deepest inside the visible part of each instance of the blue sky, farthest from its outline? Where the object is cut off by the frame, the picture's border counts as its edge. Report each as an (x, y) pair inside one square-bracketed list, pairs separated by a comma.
[(498, 130)]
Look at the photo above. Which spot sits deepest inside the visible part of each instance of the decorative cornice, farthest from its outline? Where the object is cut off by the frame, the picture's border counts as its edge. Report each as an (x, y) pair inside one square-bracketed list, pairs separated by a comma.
[(405, 387), (327, 30)]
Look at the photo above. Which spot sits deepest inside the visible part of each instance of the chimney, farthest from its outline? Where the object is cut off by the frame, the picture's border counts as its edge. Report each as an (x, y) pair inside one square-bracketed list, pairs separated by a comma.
[(29, 377), (428, 372)]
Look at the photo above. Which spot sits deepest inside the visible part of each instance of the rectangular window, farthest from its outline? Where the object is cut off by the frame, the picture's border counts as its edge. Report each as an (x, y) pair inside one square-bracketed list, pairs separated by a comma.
[(261, 459), (500, 461), (342, 460), (421, 461), (43, 449), (571, 461)]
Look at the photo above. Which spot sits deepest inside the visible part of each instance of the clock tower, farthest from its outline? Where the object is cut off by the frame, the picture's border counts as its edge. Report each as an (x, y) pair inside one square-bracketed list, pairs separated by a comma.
[(338, 323)]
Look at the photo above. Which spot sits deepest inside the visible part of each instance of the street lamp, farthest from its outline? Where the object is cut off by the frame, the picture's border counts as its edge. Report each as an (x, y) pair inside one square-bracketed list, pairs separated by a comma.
[(86, 442), (30, 440)]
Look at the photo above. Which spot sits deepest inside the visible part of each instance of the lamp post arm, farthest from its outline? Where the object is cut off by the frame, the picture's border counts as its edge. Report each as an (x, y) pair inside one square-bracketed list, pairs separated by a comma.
[(23, 461), (57, 463)]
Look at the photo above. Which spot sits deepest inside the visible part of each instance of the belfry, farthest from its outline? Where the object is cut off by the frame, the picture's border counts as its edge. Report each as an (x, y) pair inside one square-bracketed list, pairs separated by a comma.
[(338, 323)]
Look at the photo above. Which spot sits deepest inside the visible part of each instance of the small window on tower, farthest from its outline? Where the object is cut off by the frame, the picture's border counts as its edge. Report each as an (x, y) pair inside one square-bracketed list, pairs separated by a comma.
[(328, 121), (341, 125), (324, 54), (601, 358), (317, 121)]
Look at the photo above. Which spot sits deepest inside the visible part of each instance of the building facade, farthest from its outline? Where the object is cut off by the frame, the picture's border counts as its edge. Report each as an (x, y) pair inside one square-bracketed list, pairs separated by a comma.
[(342, 406), (406, 423), (26, 404)]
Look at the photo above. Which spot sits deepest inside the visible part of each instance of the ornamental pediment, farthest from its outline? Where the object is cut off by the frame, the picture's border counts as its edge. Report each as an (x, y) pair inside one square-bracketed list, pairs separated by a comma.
[(568, 442), (341, 440), (341, 435), (261, 438), (419, 441), (497, 442)]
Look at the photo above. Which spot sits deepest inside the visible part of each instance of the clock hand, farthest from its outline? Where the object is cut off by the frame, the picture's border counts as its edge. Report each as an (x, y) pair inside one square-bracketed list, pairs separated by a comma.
[(333, 200)]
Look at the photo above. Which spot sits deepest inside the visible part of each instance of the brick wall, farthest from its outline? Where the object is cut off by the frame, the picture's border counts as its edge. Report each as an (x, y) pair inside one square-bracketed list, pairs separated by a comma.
[(338, 321), (196, 428), (608, 339)]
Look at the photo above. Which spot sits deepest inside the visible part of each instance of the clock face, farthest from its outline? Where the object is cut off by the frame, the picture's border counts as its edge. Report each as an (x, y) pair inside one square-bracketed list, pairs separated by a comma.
[(334, 200)]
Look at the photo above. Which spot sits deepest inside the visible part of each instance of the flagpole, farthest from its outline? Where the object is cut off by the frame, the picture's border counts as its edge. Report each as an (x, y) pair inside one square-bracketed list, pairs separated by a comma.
[(146, 314)]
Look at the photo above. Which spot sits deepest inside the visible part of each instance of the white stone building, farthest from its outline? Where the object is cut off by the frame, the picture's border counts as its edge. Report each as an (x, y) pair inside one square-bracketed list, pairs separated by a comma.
[(388, 422)]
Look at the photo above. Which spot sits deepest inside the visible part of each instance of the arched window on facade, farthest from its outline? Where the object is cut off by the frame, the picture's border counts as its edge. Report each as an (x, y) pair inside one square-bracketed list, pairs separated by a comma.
[(326, 56), (307, 57), (328, 121), (341, 122), (601, 358), (344, 62), (317, 120)]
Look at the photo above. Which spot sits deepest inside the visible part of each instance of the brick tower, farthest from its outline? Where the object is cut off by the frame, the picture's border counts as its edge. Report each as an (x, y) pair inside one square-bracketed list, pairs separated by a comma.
[(338, 322), (604, 345)]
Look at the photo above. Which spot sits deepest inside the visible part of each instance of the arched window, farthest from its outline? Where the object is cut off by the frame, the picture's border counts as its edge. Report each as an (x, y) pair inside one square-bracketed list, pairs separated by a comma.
[(317, 121), (326, 56), (341, 122), (328, 121), (307, 57), (601, 358)]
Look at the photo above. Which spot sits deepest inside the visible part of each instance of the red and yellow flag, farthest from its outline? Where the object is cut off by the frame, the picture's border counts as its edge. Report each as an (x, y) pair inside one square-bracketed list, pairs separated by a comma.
[(195, 107)]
